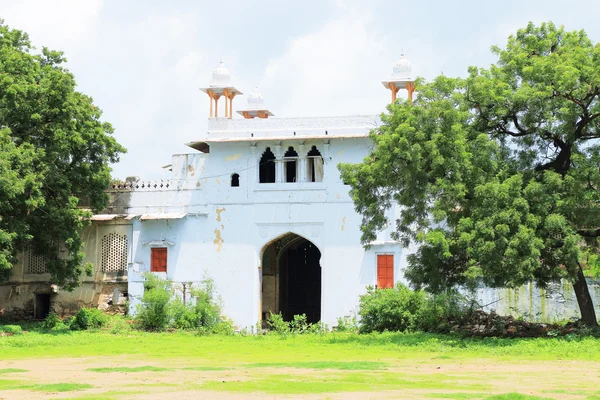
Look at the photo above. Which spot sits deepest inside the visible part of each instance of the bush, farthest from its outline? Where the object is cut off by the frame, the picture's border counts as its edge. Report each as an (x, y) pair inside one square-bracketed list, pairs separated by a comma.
[(52, 321), (182, 316), (299, 324), (153, 313), (224, 328), (277, 324), (394, 309), (347, 324), (207, 307), (88, 318), (13, 329), (159, 309), (439, 310), (118, 324)]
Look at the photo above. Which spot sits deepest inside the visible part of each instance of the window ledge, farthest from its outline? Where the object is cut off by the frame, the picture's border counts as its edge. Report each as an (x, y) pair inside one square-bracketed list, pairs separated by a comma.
[(265, 187)]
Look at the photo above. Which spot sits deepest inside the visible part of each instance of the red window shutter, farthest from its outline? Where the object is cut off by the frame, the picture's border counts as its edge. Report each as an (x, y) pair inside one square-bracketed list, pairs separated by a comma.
[(158, 259), (390, 270), (385, 271)]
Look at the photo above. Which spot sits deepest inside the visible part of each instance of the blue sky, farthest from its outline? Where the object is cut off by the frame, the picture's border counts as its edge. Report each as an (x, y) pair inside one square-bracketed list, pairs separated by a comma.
[(143, 61)]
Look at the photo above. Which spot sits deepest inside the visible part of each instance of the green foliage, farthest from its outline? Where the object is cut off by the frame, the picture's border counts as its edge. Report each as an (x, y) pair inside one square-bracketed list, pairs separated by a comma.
[(153, 312), (439, 309), (52, 321), (14, 329), (496, 175), (404, 310), (160, 309), (346, 324), (88, 318), (54, 152), (118, 324), (207, 306), (277, 324), (394, 309), (224, 328), (299, 324)]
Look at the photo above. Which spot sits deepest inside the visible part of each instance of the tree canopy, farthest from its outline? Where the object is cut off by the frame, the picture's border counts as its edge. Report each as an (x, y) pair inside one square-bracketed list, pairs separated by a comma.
[(496, 175), (54, 151)]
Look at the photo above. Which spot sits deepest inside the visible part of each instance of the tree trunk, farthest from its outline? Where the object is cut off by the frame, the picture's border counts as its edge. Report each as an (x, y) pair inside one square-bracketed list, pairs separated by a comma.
[(586, 306)]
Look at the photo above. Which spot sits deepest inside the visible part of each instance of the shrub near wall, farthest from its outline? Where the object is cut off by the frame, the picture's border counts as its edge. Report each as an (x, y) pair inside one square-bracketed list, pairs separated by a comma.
[(402, 309), (394, 309)]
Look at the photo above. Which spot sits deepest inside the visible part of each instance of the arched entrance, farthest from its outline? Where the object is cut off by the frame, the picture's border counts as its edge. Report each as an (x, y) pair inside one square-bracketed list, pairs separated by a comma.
[(291, 278)]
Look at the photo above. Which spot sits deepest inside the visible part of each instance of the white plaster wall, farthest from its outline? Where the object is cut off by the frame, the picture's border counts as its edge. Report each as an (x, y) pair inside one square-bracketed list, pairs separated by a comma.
[(226, 244)]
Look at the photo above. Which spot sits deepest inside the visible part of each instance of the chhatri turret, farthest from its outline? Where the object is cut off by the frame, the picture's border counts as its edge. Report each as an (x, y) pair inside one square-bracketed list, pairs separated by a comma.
[(220, 85), (255, 106), (401, 78)]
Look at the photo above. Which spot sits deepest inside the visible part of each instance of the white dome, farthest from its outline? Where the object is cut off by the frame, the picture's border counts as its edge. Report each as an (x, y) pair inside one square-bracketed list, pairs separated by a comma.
[(402, 68), (221, 77), (255, 100)]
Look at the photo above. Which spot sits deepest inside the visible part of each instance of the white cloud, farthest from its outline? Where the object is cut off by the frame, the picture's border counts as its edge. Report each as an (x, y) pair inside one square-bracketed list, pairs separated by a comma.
[(58, 24), (335, 70)]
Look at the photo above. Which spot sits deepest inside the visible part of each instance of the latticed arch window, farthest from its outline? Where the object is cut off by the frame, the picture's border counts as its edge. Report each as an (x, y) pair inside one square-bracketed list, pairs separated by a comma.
[(36, 263), (114, 252)]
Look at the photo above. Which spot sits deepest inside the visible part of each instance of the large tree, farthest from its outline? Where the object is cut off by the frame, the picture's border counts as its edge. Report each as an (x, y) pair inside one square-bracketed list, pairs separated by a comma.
[(54, 151), (496, 175)]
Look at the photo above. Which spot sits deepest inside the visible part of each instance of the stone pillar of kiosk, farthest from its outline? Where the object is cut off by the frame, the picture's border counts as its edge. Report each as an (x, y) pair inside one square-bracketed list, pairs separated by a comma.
[(220, 86)]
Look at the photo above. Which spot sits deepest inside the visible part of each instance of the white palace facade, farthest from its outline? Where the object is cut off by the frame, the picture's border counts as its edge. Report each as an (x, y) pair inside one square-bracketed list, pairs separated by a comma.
[(257, 205)]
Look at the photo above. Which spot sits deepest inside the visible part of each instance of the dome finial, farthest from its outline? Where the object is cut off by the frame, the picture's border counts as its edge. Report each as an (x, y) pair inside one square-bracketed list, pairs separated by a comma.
[(255, 106), (220, 86), (401, 78), (221, 77)]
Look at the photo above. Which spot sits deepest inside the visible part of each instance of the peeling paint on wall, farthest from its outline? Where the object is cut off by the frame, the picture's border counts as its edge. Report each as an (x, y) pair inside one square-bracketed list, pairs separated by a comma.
[(191, 169), (218, 240), (344, 223), (219, 211), (233, 157), (198, 184)]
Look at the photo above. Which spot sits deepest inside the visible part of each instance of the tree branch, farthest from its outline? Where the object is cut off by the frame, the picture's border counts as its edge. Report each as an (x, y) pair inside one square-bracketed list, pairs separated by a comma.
[(589, 232)]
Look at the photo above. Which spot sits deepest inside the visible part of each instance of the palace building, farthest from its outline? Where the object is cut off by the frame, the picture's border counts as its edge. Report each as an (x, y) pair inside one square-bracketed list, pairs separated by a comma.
[(257, 205)]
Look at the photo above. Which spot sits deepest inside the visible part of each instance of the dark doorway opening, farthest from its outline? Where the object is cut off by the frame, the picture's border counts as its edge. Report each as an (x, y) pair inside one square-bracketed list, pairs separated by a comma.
[(266, 167), (41, 306), (291, 165), (291, 278)]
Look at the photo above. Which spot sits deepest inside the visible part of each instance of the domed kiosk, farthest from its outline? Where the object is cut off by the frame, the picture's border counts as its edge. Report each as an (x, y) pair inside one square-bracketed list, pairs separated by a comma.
[(401, 78)]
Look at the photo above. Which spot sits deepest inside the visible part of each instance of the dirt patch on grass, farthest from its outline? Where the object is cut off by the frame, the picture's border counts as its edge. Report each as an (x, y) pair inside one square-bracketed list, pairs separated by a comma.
[(184, 379)]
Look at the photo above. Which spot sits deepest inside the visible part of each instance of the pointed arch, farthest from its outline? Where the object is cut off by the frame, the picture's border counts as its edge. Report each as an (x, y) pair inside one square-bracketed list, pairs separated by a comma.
[(266, 167), (291, 165), (314, 165), (291, 277)]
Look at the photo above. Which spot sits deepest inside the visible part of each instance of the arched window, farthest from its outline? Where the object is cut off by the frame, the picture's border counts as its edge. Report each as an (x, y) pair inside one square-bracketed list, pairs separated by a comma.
[(235, 180), (291, 165), (314, 167), (266, 167)]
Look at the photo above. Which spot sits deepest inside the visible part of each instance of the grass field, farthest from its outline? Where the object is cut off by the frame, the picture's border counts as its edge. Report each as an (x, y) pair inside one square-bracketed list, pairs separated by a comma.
[(138, 365)]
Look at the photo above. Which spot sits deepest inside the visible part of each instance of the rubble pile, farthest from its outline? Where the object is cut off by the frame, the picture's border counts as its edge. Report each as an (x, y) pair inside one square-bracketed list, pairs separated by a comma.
[(482, 324)]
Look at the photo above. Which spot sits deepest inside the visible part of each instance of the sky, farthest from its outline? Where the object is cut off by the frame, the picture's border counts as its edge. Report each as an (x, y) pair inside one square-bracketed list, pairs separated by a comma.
[(143, 61)]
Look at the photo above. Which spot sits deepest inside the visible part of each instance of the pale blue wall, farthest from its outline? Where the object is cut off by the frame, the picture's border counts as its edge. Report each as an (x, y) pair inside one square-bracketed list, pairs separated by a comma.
[(248, 217)]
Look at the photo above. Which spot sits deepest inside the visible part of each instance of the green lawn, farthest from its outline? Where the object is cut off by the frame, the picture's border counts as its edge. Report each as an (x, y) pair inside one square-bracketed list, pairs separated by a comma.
[(138, 364)]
